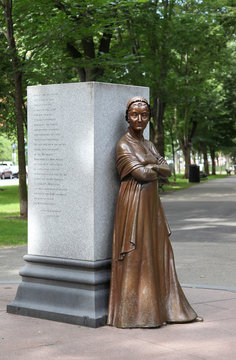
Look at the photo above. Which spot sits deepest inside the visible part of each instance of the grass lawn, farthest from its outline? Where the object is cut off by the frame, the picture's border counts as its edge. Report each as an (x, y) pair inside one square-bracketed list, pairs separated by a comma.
[(184, 183), (13, 231)]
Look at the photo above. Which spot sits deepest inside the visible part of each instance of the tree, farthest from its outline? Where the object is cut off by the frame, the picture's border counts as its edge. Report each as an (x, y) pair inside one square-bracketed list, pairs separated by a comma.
[(201, 40), (174, 47), (150, 45), (80, 32), (8, 32), (217, 131)]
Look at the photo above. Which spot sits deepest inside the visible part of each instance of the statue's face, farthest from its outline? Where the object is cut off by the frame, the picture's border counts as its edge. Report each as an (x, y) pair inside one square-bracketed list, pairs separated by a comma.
[(138, 116)]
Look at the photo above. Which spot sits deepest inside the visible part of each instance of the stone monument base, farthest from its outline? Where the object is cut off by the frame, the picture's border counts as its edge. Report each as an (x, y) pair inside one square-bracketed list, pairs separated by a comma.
[(64, 290), (73, 130)]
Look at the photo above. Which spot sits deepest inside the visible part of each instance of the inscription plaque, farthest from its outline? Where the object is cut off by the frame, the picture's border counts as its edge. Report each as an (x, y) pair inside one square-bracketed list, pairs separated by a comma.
[(48, 144)]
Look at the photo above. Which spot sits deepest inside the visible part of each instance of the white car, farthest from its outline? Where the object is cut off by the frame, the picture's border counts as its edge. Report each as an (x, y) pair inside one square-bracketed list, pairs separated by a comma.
[(7, 173), (3, 166), (8, 170)]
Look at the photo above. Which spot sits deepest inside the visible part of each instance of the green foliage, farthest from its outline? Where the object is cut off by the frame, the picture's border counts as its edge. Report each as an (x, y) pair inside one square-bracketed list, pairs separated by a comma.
[(177, 48), (13, 230), (5, 149), (218, 128)]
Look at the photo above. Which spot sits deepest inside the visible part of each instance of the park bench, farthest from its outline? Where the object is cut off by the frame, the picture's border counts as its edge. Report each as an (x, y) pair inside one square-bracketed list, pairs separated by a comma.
[(203, 175)]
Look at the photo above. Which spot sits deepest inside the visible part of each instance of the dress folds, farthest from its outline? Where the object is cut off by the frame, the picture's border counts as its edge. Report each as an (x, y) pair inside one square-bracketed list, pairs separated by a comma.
[(145, 291)]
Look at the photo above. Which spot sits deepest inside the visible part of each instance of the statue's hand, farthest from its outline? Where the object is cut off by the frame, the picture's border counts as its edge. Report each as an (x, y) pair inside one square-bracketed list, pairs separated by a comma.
[(151, 167), (154, 167), (162, 170)]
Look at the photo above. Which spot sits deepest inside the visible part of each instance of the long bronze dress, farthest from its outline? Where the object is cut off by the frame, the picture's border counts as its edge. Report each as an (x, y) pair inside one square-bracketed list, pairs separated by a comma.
[(145, 291)]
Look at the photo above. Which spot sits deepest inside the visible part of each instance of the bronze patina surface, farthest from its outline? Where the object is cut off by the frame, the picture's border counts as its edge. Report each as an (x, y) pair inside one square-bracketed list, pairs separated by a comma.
[(145, 291)]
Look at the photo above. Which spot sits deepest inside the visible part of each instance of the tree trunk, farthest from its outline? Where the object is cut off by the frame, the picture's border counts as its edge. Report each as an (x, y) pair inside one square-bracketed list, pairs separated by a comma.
[(7, 7), (213, 156), (173, 152), (194, 156), (205, 158), (21, 144), (159, 100), (186, 151), (186, 146), (158, 116), (75, 54), (94, 72)]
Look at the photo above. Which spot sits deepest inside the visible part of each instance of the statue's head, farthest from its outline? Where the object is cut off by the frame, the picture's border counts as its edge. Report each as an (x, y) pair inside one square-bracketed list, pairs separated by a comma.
[(138, 113), (137, 102)]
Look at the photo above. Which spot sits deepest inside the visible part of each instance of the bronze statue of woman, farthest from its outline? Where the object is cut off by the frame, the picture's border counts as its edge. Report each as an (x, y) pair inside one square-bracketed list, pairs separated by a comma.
[(145, 291)]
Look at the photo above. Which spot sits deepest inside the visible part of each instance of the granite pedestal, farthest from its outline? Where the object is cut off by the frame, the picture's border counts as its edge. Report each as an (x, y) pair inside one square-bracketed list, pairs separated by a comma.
[(73, 183)]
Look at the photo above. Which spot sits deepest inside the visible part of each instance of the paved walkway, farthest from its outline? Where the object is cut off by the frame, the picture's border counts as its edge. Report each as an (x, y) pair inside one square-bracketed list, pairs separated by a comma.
[(11, 260), (203, 222), (25, 338)]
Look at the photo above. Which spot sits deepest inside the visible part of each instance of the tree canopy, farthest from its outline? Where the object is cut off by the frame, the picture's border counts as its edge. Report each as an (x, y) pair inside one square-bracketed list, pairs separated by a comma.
[(184, 50)]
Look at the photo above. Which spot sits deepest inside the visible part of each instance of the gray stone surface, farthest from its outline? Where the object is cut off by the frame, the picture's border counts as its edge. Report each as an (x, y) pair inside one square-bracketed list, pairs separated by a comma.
[(71, 291), (72, 133)]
